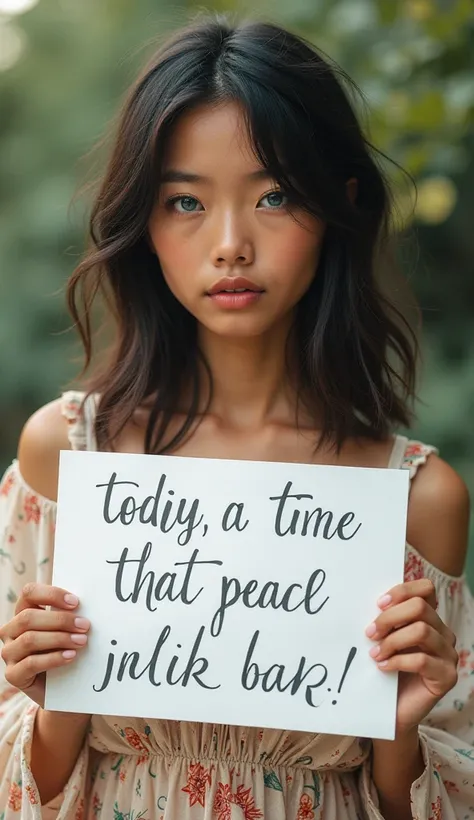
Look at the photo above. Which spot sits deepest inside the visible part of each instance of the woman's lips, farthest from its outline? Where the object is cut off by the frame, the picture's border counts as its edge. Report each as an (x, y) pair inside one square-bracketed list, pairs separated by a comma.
[(235, 299), (235, 292)]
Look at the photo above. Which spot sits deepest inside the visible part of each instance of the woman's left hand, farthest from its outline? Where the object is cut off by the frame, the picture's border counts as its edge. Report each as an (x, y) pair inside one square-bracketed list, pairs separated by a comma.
[(412, 639)]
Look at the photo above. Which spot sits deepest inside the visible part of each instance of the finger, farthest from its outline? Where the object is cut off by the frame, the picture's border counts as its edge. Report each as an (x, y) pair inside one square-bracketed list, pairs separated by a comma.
[(418, 635), (34, 595), (439, 674), (47, 620), (31, 643), (414, 609), (22, 675), (422, 588)]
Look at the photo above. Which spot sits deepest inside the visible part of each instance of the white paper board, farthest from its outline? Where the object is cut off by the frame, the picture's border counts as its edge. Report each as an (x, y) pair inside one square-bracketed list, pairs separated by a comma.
[(274, 570)]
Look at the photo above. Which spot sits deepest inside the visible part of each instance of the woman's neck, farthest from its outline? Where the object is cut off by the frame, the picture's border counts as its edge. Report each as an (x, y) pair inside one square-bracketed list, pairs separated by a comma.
[(250, 380)]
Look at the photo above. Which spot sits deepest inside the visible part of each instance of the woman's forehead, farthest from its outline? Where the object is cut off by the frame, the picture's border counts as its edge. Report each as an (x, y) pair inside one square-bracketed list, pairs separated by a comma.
[(211, 139)]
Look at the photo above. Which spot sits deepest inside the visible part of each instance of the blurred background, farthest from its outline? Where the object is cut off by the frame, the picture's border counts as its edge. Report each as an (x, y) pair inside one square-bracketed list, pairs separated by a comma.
[(65, 66)]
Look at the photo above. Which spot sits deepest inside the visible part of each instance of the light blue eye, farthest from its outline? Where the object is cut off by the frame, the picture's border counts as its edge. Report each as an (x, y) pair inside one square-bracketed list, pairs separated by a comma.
[(275, 199), (188, 204)]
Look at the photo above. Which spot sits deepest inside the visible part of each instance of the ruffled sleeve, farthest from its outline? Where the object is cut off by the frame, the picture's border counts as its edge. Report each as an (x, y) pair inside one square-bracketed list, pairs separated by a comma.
[(27, 523), (445, 790)]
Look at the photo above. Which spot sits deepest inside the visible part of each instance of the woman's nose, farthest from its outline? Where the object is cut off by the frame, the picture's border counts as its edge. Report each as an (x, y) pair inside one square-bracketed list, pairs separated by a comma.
[(232, 244)]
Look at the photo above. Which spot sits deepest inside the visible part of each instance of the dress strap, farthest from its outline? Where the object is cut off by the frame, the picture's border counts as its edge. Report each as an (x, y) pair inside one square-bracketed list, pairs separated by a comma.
[(398, 452), (80, 415), (410, 455)]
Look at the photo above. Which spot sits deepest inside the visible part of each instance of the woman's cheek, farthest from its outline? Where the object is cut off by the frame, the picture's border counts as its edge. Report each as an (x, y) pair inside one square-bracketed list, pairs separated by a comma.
[(178, 260), (298, 249)]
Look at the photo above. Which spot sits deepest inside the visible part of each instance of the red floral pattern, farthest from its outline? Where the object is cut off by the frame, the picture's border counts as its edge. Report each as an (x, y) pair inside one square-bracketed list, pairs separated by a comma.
[(14, 797), (198, 780), (73, 410), (305, 810), (455, 587), (466, 665), (242, 797), (414, 448), (436, 810), (346, 795), (79, 815), (32, 509), (33, 796), (413, 567), (222, 801), (7, 483), (135, 741)]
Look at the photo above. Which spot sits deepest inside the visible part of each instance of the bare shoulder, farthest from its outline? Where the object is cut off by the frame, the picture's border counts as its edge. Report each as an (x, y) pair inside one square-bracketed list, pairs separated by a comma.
[(43, 436), (438, 515)]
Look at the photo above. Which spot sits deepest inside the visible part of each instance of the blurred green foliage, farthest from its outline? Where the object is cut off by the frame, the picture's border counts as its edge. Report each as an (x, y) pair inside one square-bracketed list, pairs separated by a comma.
[(65, 67)]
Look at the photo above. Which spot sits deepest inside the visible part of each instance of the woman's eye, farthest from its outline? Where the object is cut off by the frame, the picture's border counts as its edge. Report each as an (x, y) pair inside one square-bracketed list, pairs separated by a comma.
[(186, 204), (275, 200)]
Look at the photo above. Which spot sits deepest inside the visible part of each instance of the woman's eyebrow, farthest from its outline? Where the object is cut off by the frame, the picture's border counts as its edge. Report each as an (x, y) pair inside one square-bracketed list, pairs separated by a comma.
[(175, 175)]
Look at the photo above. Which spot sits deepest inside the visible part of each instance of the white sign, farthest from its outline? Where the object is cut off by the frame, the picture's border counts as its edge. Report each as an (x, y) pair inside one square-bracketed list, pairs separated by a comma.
[(230, 592)]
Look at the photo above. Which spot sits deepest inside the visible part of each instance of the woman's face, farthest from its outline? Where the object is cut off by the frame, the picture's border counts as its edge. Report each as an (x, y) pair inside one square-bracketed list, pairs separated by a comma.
[(230, 250)]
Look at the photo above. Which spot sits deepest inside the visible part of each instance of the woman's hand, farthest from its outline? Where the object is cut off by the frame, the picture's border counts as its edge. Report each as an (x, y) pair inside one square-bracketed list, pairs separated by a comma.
[(37, 640), (412, 639)]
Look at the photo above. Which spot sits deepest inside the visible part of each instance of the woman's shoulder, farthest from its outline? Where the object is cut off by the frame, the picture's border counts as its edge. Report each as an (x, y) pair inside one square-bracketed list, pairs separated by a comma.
[(438, 514), (43, 436)]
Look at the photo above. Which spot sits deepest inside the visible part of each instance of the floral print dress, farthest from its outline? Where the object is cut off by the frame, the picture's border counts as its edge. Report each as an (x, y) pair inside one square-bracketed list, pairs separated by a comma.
[(133, 769)]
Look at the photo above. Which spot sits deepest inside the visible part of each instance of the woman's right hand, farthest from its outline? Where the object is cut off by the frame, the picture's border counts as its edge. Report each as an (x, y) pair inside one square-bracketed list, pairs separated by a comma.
[(37, 640)]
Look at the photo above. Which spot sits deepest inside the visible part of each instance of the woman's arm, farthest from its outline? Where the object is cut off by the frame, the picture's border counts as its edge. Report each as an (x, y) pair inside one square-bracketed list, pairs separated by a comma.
[(34, 636), (36, 640), (395, 766), (437, 528), (57, 740)]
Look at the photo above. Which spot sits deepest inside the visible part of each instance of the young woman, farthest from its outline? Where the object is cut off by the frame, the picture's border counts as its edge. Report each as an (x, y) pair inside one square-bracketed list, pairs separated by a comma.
[(235, 238)]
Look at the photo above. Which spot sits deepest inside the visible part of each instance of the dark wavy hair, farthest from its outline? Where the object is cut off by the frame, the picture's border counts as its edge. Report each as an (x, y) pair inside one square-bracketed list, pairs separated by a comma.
[(356, 354)]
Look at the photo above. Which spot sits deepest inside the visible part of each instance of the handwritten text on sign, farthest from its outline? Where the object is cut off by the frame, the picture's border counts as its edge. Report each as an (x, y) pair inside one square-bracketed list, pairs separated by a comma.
[(229, 592)]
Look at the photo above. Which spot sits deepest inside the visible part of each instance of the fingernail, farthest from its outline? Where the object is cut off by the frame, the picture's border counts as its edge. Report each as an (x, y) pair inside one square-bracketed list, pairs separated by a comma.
[(71, 600), (69, 654), (381, 664), (82, 623), (81, 639), (375, 651), (371, 630), (385, 600)]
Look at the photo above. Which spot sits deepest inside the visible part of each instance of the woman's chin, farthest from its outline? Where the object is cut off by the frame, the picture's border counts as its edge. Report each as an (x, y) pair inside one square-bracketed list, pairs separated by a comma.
[(237, 327)]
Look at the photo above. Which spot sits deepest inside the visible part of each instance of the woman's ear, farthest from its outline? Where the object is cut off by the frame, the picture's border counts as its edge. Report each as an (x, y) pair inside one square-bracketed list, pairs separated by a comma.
[(351, 189)]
